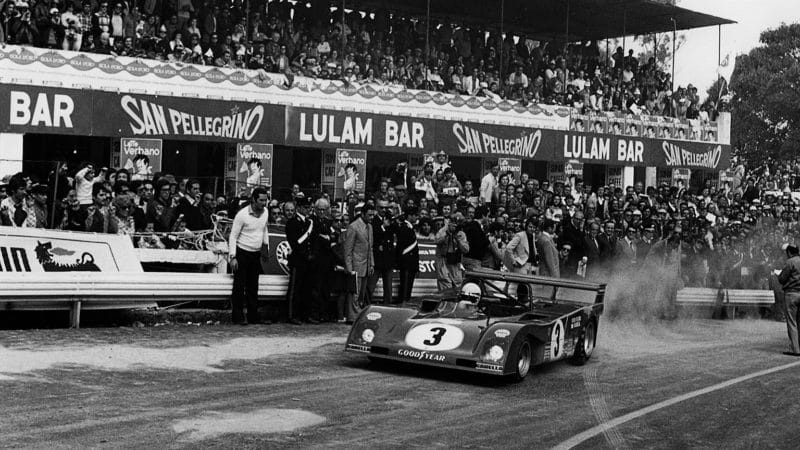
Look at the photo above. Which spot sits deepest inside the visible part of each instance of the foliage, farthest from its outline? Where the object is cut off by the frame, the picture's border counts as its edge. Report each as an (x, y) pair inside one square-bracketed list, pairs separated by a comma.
[(765, 107), (662, 43)]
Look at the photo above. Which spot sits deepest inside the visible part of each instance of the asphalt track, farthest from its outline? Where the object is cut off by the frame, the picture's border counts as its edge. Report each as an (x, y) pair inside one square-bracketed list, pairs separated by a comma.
[(683, 384)]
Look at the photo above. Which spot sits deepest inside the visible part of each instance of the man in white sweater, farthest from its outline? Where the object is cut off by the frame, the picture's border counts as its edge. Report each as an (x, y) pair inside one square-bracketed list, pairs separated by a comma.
[(248, 246)]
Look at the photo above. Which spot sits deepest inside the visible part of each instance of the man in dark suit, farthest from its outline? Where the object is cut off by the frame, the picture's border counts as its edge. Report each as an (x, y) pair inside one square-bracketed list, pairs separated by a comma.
[(546, 247), (608, 245), (299, 234), (574, 235), (358, 259), (323, 259), (407, 252), (383, 251), (591, 250)]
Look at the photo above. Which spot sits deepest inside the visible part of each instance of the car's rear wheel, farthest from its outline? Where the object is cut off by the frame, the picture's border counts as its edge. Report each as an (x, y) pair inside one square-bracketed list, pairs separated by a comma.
[(522, 360), (585, 345)]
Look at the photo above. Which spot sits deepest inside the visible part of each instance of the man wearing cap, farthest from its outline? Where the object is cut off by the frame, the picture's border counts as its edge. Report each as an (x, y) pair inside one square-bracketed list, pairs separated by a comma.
[(383, 250), (789, 278)]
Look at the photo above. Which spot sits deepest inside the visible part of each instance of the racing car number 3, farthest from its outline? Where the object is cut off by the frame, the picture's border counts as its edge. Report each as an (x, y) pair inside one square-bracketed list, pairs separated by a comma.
[(434, 336)]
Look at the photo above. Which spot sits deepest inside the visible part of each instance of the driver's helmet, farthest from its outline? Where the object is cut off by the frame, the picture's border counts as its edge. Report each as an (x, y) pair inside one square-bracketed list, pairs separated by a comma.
[(470, 292)]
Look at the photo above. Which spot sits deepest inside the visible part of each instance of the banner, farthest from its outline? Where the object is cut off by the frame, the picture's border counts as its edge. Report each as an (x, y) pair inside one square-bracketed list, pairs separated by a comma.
[(307, 127), (32, 109), (41, 250), (254, 163), (351, 171), (633, 151), (466, 138), (513, 165), (141, 157), (186, 118)]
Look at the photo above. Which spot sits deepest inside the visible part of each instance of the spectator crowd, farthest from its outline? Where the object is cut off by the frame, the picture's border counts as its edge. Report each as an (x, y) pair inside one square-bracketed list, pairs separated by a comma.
[(371, 47), (727, 236)]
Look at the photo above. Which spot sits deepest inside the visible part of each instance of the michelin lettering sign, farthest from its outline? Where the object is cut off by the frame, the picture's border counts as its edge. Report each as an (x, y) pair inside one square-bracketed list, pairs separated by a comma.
[(26, 250)]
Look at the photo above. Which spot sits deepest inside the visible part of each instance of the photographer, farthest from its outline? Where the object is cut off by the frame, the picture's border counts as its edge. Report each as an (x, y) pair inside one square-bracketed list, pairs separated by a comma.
[(51, 32), (21, 30), (451, 243)]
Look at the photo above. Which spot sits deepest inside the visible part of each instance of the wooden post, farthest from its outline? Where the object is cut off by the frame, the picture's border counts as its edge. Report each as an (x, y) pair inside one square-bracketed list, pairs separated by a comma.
[(75, 314)]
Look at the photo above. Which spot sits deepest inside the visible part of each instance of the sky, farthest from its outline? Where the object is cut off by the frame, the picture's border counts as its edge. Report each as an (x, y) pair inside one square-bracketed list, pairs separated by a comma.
[(696, 60)]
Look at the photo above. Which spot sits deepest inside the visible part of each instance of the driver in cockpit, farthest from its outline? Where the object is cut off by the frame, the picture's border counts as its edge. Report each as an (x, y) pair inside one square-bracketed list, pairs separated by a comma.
[(468, 299)]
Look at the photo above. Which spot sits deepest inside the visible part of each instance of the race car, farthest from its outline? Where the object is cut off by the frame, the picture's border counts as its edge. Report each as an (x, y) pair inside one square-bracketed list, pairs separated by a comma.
[(497, 323)]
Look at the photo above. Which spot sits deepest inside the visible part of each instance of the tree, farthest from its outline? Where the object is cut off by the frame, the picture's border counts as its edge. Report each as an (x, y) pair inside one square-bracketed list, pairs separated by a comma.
[(765, 106), (660, 47)]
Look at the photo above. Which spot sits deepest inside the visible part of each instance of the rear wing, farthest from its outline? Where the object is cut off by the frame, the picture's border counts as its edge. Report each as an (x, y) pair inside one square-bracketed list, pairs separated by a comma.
[(573, 288)]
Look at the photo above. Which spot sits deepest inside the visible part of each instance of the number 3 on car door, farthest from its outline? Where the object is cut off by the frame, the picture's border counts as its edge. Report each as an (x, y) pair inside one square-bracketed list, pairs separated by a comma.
[(436, 338)]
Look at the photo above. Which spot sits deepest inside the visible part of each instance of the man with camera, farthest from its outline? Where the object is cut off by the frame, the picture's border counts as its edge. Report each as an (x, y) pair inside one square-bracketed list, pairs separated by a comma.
[(21, 29), (451, 243)]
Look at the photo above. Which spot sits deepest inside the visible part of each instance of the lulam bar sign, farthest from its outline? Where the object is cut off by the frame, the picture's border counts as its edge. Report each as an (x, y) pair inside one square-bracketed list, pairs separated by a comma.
[(337, 128), (152, 119)]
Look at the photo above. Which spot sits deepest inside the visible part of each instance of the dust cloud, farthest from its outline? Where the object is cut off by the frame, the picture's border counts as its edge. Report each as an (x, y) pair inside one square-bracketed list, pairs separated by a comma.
[(262, 421), (204, 358)]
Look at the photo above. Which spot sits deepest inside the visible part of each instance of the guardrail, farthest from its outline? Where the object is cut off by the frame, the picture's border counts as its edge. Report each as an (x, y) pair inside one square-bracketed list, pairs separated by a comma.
[(725, 298), (84, 290)]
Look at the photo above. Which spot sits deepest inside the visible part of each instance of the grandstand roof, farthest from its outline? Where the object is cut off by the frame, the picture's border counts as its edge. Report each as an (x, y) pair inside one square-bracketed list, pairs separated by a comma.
[(546, 19)]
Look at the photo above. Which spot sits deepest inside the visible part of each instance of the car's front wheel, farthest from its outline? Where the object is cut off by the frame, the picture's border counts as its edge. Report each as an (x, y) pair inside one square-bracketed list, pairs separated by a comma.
[(522, 360), (585, 345)]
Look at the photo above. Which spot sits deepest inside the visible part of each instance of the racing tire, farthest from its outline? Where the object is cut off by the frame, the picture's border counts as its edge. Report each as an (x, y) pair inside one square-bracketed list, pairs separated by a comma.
[(522, 360), (585, 345)]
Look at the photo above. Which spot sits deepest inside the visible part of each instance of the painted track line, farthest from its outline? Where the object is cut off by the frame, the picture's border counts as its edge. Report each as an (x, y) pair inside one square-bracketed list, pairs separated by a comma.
[(604, 427)]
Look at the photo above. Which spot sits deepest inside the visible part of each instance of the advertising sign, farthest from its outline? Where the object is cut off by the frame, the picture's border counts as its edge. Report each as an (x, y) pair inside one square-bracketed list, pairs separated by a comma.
[(513, 165), (40, 250), (186, 118), (573, 168), (636, 151), (555, 172), (680, 177), (328, 128), (36, 109), (141, 157), (351, 171), (254, 162), (726, 178), (614, 176), (466, 138)]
